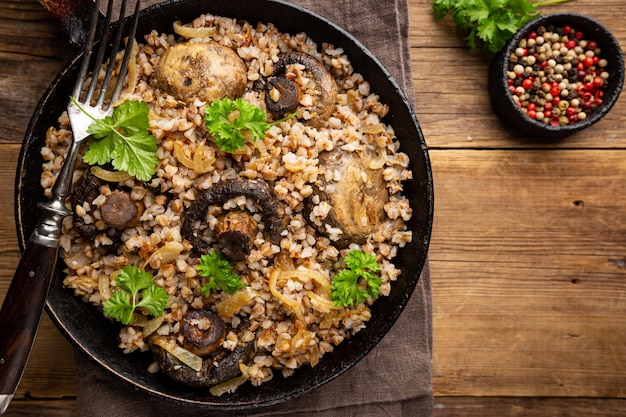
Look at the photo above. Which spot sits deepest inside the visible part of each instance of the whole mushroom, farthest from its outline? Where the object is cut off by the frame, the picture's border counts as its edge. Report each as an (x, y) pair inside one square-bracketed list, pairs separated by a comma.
[(206, 71), (355, 193)]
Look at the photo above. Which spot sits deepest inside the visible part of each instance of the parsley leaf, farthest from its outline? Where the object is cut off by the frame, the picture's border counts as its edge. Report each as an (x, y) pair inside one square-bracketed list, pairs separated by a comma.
[(123, 139), (490, 22), (219, 271), (132, 283), (347, 287), (227, 120)]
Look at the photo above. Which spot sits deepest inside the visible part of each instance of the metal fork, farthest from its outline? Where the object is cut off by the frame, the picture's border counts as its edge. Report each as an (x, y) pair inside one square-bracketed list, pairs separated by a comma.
[(24, 302)]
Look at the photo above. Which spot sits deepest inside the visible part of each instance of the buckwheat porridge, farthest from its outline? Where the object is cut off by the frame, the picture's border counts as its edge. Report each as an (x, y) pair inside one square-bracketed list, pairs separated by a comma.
[(266, 254)]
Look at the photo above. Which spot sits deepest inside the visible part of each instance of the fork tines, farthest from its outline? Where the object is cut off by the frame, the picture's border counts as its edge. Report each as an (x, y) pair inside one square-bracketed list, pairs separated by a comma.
[(115, 45)]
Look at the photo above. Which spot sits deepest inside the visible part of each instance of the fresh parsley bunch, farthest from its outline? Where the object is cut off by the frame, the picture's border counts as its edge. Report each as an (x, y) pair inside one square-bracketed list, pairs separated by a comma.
[(134, 282), (227, 120), (346, 288), (123, 139), (219, 271), (490, 22)]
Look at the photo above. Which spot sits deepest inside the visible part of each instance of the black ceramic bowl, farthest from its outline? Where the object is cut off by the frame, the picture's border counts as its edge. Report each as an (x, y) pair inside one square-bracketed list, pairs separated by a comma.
[(96, 337), (502, 99)]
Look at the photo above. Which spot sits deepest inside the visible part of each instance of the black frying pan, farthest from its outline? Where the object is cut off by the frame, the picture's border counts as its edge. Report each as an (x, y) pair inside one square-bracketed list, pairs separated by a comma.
[(96, 337)]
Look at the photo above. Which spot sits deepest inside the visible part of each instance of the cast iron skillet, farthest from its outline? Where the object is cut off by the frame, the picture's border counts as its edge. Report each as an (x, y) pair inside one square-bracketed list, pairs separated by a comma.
[(96, 337)]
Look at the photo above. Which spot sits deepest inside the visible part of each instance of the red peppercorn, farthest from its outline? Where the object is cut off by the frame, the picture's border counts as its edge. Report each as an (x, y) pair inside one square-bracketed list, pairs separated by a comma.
[(598, 82), (592, 45), (596, 59), (512, 89), (597, 102), (579, 34), (547, 106), (528, 83), (588, 86), (555, 91), (567, 29), (509, 81), (543, 64), (588, 61), (532, 114), (547, 113), (572, 118), (532, 35), (598, 94), (570, 110), (554, 121), (556, 101), (531, 106)]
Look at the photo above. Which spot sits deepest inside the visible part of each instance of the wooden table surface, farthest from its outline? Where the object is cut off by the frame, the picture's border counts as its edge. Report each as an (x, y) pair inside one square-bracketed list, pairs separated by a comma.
[(528, 253)]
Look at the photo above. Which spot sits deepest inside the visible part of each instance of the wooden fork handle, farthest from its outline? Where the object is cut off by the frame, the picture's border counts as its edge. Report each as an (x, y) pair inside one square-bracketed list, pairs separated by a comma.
[(21, 313)]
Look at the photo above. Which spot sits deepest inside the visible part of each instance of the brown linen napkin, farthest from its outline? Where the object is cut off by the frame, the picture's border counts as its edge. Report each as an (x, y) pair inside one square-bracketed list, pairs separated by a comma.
[(394, 379)]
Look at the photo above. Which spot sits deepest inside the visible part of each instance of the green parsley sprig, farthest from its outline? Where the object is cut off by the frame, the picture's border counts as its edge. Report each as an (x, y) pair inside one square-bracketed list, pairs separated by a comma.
[(347, 286), (227, 120), (490, 22), (219, 271), (137, 290), (123, 139)]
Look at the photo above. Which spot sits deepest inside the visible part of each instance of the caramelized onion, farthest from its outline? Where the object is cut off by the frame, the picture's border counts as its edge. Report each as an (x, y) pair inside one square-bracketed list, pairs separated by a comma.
[(191, 32), (191, 360), (110, 176), (229, 306)]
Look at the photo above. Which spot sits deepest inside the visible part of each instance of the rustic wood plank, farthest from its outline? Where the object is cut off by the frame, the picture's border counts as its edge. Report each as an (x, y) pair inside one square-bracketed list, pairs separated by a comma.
[(528, 407), (527, 259)]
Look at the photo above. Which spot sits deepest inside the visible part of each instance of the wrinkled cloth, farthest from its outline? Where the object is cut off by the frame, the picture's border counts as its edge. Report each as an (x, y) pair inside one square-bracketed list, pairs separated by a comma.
[(394, 379)]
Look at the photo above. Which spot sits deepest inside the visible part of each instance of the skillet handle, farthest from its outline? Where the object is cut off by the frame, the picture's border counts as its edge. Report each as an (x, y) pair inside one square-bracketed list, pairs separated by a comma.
[(21, 313), (24, 302), (74, 17)]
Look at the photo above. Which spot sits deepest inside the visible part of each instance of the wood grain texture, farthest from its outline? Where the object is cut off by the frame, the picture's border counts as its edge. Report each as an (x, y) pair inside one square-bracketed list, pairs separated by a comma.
[(528, 254)]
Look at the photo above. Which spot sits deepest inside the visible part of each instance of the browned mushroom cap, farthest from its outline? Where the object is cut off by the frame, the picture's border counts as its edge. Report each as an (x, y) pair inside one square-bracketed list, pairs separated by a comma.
[(236, 231), (281, 96), (207, 71), (86, 190), (203, 332), (220, 366), (120, 211), (222, 191), (356, 200), (323, 88)]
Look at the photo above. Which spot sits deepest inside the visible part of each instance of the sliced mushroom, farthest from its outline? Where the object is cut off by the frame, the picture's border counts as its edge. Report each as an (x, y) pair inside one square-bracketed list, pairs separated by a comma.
[(355, 193), (221, 366), (218, 366), (281, 96), (87, 189), (273, 212), (236, 231), (120, 211), (207, 71), (322, 87), (203, 332)]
